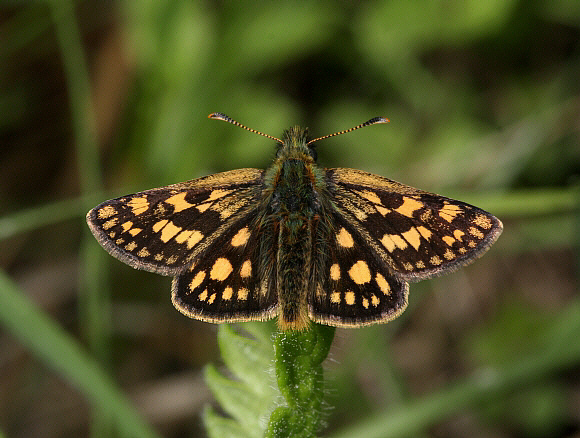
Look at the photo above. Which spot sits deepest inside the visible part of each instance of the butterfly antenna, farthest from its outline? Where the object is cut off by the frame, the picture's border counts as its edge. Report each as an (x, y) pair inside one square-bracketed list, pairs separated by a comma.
[(221, 116), (370, 122)]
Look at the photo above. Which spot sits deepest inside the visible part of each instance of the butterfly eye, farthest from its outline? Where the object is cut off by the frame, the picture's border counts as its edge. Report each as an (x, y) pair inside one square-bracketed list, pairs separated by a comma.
[(279, 148), (313, 152)]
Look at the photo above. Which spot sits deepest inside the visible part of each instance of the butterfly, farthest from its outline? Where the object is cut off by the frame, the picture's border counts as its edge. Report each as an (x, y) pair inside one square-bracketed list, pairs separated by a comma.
[(296, 241)]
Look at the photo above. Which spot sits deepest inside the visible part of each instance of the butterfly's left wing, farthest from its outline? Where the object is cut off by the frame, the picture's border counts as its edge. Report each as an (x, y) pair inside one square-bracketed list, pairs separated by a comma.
[(202, 232), (231, 281), (163, 230)]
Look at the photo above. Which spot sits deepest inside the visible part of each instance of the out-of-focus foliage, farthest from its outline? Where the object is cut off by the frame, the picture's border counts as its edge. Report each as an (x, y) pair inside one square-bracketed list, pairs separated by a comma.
[(484, 103)]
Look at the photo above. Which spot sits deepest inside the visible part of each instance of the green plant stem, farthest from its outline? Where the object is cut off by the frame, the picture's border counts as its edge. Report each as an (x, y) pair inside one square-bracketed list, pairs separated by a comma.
[(299, 357), (56, 348)]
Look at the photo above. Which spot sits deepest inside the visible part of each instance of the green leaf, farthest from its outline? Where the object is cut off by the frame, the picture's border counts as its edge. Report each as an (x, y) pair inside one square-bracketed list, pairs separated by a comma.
[(238, 399), (250, 399), (220, 427)]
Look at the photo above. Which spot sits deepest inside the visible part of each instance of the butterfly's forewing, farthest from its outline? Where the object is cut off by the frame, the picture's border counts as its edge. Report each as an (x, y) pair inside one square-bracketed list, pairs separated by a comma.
[(418, 234), (164, 230)]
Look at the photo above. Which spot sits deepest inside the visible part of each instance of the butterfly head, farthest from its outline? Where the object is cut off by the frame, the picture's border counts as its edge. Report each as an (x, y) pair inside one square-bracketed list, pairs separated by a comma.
[(295, 145)]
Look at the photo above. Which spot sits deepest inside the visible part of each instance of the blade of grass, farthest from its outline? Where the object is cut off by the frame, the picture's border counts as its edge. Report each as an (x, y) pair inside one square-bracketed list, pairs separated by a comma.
[(56, 348), (78, 85), (527, 203), (94, 300), (41, 216)]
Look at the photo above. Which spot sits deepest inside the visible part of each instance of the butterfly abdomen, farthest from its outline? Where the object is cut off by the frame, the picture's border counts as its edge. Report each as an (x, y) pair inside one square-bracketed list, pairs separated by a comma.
[(294, 207), (293, 272)]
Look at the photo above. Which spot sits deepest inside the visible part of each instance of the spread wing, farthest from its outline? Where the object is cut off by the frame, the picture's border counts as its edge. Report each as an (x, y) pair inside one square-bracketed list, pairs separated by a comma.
[(353, 285), (164, 230), (418, 234), (232, 282), (203, 233), (384, 234)]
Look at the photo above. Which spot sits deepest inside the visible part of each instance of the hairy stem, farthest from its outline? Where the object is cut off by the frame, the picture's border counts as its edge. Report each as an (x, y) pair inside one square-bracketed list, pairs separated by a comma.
[(299, 357)]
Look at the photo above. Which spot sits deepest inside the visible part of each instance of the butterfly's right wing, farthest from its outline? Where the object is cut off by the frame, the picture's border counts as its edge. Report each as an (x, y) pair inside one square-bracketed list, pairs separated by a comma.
[(418, 234), (379, 235), (352, 283)]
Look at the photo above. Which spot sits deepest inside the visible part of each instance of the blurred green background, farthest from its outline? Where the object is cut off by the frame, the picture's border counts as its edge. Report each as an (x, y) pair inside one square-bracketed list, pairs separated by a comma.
[(103, 98)]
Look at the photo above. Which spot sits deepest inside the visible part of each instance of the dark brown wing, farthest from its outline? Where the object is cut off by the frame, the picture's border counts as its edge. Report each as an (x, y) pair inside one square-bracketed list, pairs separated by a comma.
[(229, 282), (164, 230), (378, 236), (418, 234), (353, 284)]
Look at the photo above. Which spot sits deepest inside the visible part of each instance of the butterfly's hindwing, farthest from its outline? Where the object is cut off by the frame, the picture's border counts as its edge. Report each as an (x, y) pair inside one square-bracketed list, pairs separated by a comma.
[(354, 286), (163, 230), (227, 282), (418, 234)]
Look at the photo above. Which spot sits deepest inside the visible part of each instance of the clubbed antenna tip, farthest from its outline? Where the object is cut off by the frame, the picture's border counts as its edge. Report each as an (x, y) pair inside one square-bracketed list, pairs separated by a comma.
[(222, 116), (372, 121)]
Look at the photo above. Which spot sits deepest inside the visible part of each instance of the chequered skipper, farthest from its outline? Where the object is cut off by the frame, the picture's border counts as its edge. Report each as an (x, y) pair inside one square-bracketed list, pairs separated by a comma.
[(336, 246)]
